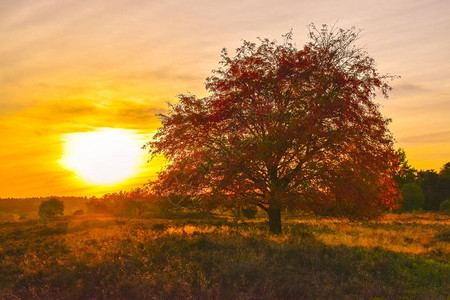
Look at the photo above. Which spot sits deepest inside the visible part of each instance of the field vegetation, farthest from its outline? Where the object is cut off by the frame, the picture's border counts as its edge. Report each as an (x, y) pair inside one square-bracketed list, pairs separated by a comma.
[(402, 256)]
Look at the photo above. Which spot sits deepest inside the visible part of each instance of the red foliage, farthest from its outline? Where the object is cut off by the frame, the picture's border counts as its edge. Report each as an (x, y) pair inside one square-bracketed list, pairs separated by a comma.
[(285, 128)]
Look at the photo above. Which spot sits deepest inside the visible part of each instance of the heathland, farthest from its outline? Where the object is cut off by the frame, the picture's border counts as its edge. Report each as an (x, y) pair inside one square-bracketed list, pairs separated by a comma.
[(402, 256)]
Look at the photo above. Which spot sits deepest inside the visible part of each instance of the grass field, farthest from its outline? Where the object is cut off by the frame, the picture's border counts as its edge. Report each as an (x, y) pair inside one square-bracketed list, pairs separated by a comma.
[(400, 257)]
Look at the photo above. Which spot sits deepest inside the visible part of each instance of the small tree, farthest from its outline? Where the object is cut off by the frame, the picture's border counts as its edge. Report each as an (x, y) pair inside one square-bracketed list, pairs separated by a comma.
[(433, 187), (445, 171), (404, 173), (445, 206), (284, 128), (51, 208), (413, 197)]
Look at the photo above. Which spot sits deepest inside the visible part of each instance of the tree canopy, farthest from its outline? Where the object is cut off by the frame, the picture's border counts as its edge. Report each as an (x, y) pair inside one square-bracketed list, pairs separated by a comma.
[(284, 128), (404, 173), (51, 208)]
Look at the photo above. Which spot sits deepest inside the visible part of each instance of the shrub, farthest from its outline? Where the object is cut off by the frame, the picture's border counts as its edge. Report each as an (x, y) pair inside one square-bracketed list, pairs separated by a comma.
[(445, 206), (413, 198), (78, 212), (249, 212), (8, 217), (51, 208)]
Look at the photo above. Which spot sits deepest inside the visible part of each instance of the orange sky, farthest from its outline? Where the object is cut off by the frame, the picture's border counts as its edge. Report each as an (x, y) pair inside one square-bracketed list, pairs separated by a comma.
[(74, 66)]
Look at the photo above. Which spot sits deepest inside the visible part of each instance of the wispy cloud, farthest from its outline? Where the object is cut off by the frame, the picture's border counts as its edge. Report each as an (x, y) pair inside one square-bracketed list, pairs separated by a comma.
[(407, 89), (429, 138)]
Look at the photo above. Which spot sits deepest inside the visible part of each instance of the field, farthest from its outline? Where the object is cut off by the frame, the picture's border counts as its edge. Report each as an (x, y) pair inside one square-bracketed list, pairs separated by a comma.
[(102, 257)]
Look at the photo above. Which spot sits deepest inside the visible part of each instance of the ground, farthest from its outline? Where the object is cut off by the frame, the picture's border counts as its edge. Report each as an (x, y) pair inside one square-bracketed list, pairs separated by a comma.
[(101, 257)]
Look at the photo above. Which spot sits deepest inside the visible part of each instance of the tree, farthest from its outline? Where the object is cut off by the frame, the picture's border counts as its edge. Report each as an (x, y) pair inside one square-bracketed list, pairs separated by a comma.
[(413, 197), (284, 128), (51, 208), (434, 189), (404, 173), (445, 206), (445, 171), (444, 174)]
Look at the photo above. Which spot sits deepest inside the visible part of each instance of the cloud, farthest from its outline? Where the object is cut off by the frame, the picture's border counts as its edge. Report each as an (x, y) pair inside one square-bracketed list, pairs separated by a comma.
[(64, 109), (422, 106), (59, 117), (406, 89), (138, 114), (164, 74), (430, 138)]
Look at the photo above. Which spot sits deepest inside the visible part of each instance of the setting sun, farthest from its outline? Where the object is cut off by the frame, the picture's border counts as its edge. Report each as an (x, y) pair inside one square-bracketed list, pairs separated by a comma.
[(103, 157)]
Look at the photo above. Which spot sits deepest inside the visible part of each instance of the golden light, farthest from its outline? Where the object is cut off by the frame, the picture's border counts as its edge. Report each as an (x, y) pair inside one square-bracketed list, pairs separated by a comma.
[(104, 157)]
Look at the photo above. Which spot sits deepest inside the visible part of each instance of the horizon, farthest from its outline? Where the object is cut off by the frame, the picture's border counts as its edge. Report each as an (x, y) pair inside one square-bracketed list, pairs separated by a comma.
[(72, 70)]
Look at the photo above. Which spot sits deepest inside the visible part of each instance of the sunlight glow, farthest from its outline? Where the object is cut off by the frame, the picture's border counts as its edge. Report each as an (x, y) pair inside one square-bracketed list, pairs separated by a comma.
[(106, 156)]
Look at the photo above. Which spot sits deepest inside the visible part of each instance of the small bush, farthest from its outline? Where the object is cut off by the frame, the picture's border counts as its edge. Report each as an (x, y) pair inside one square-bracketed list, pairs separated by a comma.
[(445, 206), (8, 217), (78, 212), (159, 227), (249, 212), (51, 208)]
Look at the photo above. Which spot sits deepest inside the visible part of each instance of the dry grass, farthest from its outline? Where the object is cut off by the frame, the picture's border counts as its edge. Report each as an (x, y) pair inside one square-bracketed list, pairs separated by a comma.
[(426, 233), (99, 257)]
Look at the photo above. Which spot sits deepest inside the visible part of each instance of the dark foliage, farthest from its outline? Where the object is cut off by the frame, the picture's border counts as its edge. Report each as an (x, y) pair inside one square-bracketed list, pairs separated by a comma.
[(413, 198), (124, 203), (249, 211), (435, 188), (445, 206), (51, 208), (404, 173)]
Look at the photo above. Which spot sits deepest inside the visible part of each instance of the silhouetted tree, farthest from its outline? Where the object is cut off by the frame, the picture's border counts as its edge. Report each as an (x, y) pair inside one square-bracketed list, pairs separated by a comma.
[(445, 206), (97, 206), (285, 128), (413, 197), (433, 187), (445, 171), (51, 208), (444, 174), (404, 173)]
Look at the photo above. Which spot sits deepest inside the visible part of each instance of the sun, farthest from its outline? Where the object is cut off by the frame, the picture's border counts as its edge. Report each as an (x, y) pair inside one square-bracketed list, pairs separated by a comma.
[(106, 156)]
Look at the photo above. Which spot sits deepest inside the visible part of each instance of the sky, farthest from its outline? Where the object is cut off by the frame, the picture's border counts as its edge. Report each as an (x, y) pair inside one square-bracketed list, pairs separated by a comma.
[(70, 67)]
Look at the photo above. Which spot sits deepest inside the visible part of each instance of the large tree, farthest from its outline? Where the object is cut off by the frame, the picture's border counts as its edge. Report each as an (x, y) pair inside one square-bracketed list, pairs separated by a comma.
[(284, 128)]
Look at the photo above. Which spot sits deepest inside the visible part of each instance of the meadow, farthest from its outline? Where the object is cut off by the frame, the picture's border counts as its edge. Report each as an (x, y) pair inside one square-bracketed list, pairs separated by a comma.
[(402, 256)]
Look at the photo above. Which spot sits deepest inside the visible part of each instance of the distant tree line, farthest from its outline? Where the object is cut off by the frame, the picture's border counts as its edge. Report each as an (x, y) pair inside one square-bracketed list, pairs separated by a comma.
[(124, 203), (141, 202), (14, 209), (422, 189)]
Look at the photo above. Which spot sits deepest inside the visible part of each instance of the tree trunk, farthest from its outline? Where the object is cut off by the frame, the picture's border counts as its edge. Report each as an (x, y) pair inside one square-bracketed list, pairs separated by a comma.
[(274, 221)]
